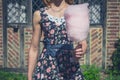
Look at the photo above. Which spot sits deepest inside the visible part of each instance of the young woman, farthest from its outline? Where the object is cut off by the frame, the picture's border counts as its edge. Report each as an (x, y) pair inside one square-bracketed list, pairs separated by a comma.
[(58, 60)]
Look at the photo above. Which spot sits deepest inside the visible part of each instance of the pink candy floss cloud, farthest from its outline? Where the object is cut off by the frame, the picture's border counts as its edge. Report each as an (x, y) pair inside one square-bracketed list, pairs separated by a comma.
[(77, 21)]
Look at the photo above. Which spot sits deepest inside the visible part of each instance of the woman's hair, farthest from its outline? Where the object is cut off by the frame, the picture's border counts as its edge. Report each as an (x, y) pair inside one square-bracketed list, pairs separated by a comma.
[(47, 2)]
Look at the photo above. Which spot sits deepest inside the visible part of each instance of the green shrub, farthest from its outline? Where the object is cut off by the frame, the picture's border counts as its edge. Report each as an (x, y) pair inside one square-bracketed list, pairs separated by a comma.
[(12, 76), (116, 58), (112, 77), (91, 72)]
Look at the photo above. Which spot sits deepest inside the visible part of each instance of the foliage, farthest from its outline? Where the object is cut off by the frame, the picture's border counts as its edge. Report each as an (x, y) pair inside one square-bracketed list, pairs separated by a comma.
[(112, 76), (113, 72), (116, 58), (12, 76), (91, 72)]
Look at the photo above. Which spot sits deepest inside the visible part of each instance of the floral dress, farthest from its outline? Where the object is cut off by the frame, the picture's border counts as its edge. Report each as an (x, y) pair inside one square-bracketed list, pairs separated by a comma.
[(57, 61)]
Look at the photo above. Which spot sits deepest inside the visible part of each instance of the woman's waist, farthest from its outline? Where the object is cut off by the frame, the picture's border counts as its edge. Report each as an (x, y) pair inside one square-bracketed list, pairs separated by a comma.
[(59, 46), (53, 40)]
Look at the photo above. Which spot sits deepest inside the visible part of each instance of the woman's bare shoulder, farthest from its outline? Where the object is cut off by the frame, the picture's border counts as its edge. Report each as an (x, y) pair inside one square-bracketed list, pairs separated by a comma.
[(37, 13), (36, 16)]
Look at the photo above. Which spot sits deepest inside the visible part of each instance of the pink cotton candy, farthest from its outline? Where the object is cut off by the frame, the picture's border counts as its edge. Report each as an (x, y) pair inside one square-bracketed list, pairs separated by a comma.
[(77, 21)]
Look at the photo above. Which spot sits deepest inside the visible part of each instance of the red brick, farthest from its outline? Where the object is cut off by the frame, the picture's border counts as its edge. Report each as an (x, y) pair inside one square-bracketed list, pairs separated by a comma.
[(112, 0), (114, 17), (114, 3)]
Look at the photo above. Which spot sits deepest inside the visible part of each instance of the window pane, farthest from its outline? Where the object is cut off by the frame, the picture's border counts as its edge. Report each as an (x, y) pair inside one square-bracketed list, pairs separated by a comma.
[(97, 12), (37, 4), (16, 11)]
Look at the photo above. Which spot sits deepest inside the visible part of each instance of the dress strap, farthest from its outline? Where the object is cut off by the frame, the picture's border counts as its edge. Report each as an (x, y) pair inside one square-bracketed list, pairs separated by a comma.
[(42, 11), (41, 14)]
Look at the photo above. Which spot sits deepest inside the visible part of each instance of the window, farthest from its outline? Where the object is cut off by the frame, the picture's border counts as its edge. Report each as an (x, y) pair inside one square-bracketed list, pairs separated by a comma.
[(16, 11), (37, 4), (20, 11), (97, 11)]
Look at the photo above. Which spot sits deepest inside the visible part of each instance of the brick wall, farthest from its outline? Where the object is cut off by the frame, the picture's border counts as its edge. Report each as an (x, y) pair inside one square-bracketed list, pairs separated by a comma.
[(1, 33), (113, 27), (27, 42)]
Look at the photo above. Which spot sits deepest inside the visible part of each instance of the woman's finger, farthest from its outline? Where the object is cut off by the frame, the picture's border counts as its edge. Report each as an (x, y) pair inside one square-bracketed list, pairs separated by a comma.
[(79, 49), (79, 53), (78, 56)]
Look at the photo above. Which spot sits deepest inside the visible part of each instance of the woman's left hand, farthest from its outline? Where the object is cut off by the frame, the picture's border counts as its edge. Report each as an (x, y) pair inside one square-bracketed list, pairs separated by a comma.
[(80, 49)]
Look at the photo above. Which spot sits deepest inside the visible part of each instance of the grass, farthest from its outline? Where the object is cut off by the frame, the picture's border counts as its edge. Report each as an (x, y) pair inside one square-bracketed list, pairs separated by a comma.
[(12, 76)]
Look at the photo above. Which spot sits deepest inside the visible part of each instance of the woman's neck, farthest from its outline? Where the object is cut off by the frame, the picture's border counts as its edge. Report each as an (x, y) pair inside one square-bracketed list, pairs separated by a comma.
[(59, 8)]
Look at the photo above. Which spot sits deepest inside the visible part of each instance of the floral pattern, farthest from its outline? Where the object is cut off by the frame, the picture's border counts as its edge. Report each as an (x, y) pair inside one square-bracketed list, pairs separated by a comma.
[(57, 61)]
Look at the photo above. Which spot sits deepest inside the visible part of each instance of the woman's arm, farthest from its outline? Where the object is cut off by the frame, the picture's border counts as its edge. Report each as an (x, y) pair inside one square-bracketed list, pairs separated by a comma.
[(80, 51), (33, 52)]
